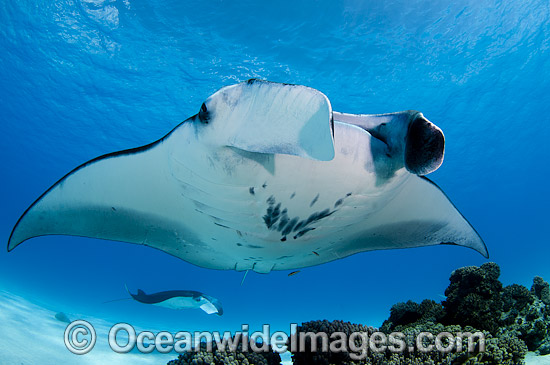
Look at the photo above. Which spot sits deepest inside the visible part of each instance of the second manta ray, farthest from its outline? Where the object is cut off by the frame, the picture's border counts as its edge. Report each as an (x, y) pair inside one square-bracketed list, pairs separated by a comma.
[(264, 177), (180, 299)]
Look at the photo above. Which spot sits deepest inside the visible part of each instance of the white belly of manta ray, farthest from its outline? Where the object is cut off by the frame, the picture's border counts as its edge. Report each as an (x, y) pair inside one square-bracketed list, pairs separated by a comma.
[(270, 212), (266, 177)]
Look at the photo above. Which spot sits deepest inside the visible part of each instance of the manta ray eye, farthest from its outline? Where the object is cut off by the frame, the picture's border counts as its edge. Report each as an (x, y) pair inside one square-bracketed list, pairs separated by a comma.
[(203, 114)]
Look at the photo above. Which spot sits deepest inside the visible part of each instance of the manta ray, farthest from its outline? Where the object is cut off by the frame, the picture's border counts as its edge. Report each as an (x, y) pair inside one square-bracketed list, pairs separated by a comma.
[(180, 299), (266, 176)]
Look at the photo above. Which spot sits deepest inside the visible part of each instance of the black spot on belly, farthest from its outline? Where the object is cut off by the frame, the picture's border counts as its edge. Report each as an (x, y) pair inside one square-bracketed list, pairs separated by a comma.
[(273, 213), (318, 216), (253, 246), (239, 244), (341, 200), (302, 232), (292, 195), (283, 222), (264, 185), (251, 190), (314, 200), (300, 225), (290, 226), (278, 220)]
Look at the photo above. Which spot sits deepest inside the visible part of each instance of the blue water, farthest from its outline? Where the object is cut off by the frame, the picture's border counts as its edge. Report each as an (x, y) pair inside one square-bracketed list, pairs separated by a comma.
[(81, 78)]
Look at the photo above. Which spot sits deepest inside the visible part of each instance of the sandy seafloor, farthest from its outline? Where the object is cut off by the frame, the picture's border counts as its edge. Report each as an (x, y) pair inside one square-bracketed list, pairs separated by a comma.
[(29, 330)]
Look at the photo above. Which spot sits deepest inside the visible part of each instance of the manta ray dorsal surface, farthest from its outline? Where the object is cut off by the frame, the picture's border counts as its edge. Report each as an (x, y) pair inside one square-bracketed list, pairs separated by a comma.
[(265, 177)]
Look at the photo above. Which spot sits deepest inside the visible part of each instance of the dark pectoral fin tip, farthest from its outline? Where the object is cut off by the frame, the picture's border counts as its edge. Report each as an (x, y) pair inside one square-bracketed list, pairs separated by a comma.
[(251, 190)]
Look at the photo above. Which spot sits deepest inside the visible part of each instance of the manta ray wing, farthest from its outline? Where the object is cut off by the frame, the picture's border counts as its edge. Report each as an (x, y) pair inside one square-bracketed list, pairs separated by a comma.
[(129, 196), (420, 215)]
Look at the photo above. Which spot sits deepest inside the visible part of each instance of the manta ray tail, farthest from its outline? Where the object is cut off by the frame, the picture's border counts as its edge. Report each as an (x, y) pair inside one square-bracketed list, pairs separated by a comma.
[(118, 300)]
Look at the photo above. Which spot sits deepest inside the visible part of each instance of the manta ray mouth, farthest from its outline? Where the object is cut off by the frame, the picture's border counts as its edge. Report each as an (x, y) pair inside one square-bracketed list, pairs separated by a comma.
[(424, 146)]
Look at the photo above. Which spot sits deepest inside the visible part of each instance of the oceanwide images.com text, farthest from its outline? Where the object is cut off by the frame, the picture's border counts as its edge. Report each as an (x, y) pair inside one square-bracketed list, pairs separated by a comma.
[(80, 338)]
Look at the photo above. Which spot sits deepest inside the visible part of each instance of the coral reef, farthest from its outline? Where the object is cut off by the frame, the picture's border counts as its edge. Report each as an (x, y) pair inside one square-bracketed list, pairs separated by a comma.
[(503, 350), (402, 314), (238, 357), (541, 290), (474, 297), (513, 320), (325, 357)]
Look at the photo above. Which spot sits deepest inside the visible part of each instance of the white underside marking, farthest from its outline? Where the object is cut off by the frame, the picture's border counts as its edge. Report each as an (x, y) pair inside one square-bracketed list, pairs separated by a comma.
[(209, 308), (179, 303)]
